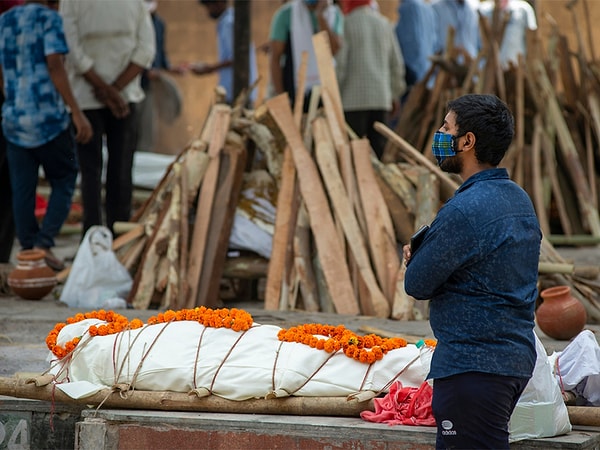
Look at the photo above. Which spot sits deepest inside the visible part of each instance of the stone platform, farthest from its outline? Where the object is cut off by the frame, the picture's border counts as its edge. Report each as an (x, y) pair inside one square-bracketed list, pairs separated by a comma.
[(31, 424)]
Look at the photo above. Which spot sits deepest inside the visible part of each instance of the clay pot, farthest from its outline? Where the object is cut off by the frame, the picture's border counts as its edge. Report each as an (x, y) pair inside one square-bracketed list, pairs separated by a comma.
[(32, 279), (560, 316)]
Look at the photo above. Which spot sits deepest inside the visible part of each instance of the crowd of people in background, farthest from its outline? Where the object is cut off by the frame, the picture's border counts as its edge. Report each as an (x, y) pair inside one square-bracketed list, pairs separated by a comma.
[(112, 53)]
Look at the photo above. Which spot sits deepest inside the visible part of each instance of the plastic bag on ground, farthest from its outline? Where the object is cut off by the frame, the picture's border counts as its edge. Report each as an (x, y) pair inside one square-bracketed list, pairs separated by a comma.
[(541, 411), (96, 277)]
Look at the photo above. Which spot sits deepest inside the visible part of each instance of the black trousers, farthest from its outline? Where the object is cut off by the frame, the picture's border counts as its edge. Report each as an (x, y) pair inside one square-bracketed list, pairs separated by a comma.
[(7, 223), (362, 123), (120, 137), (472, 409)]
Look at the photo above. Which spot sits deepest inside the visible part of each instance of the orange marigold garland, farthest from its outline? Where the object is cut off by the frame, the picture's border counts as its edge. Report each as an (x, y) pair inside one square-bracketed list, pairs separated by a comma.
[(366, 349), (235, 319), (115, 323)]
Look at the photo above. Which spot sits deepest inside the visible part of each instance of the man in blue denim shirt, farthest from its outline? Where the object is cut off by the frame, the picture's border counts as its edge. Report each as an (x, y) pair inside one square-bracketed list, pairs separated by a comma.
[(36, 122), (478, 263)]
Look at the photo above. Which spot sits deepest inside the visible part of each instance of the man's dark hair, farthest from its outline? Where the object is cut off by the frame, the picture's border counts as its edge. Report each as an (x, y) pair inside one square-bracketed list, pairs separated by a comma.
[(490, 120)]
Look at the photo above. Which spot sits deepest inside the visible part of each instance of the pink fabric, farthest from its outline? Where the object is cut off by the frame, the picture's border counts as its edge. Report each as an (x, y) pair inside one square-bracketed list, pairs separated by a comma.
[(403, 406)]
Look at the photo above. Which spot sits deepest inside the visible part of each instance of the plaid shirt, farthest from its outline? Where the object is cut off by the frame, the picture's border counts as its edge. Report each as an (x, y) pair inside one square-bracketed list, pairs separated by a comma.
[(33, 112), (369, 66)]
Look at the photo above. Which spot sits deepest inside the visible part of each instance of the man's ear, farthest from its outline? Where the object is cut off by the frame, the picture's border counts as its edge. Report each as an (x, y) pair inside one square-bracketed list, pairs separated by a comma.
[(469, 142)]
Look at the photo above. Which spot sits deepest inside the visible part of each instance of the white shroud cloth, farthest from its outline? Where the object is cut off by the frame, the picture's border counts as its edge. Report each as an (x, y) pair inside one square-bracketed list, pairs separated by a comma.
[(185, 356)]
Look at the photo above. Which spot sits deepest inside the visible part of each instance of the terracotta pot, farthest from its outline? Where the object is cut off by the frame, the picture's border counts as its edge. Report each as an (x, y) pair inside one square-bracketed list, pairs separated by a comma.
[(560, 316), (32, 279)]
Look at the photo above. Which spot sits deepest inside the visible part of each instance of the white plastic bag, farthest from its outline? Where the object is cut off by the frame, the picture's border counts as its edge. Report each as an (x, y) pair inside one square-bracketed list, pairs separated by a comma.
[(96, 277), (541, 411)]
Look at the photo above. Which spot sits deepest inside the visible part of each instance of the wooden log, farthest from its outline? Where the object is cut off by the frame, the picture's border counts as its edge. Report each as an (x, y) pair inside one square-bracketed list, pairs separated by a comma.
[(288, 202), (263, 138), (380, 230), (285, 220), (551, 267), (327, 75), (184, 233), (537, 182), (410, 338), (588, 211), (403, 306), (573, 239), (205, 202), (401, 217), (195, 164), (229, 185), (379, 305), (550, 165), (181, 401), (170, 299), (131, 257), (303, 263), (330, 251), (427, 198), (249, 267), (399, 183), (584, 415), (144, 282)]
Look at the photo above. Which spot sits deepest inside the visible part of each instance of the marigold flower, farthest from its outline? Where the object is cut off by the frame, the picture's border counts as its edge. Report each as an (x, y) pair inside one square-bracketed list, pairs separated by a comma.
[(366, 349)]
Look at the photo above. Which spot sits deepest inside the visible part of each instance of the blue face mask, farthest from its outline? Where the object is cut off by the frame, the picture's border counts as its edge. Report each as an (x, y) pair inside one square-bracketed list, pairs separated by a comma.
[(442, 146), (311, 2)]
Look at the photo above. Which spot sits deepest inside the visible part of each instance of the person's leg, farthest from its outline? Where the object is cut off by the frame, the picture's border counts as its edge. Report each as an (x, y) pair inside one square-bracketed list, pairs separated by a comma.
[(120, 141), (60, 168), (358, 122), (24, 169), (472, 410), (7, 221), (90, 166), (376, 139)]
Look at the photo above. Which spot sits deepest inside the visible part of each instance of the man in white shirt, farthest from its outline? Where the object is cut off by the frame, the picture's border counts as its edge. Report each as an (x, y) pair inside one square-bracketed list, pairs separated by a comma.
[(521, 18), (110, 43), (462, 16)]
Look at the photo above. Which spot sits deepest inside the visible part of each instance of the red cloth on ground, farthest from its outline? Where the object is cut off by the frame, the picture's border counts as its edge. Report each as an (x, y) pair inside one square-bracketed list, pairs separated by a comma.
[(403, 406)]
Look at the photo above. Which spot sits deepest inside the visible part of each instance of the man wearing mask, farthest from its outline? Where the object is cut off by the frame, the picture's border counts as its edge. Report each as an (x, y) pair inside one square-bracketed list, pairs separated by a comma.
[(292, 28), (478, 264)]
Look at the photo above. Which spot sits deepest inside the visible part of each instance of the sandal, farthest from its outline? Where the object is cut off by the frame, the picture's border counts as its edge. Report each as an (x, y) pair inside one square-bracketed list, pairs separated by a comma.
[(51, 260)]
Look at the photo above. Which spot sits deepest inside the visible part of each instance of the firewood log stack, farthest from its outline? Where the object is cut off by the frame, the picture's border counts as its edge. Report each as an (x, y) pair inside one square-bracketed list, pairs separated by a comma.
[(555, 95), (341, 214)]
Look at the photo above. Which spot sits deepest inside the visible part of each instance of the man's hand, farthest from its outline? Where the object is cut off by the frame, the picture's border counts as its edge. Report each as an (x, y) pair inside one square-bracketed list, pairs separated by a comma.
[(406, 253), (83, 128), (201, 68), (112, 99)]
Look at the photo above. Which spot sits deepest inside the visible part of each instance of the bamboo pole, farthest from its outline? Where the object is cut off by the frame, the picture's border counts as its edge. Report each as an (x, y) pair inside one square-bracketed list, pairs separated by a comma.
[(181, 401)]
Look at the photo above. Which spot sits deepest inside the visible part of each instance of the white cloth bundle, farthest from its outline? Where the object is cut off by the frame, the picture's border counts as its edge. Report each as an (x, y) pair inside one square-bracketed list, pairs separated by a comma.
[(182, 356)]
